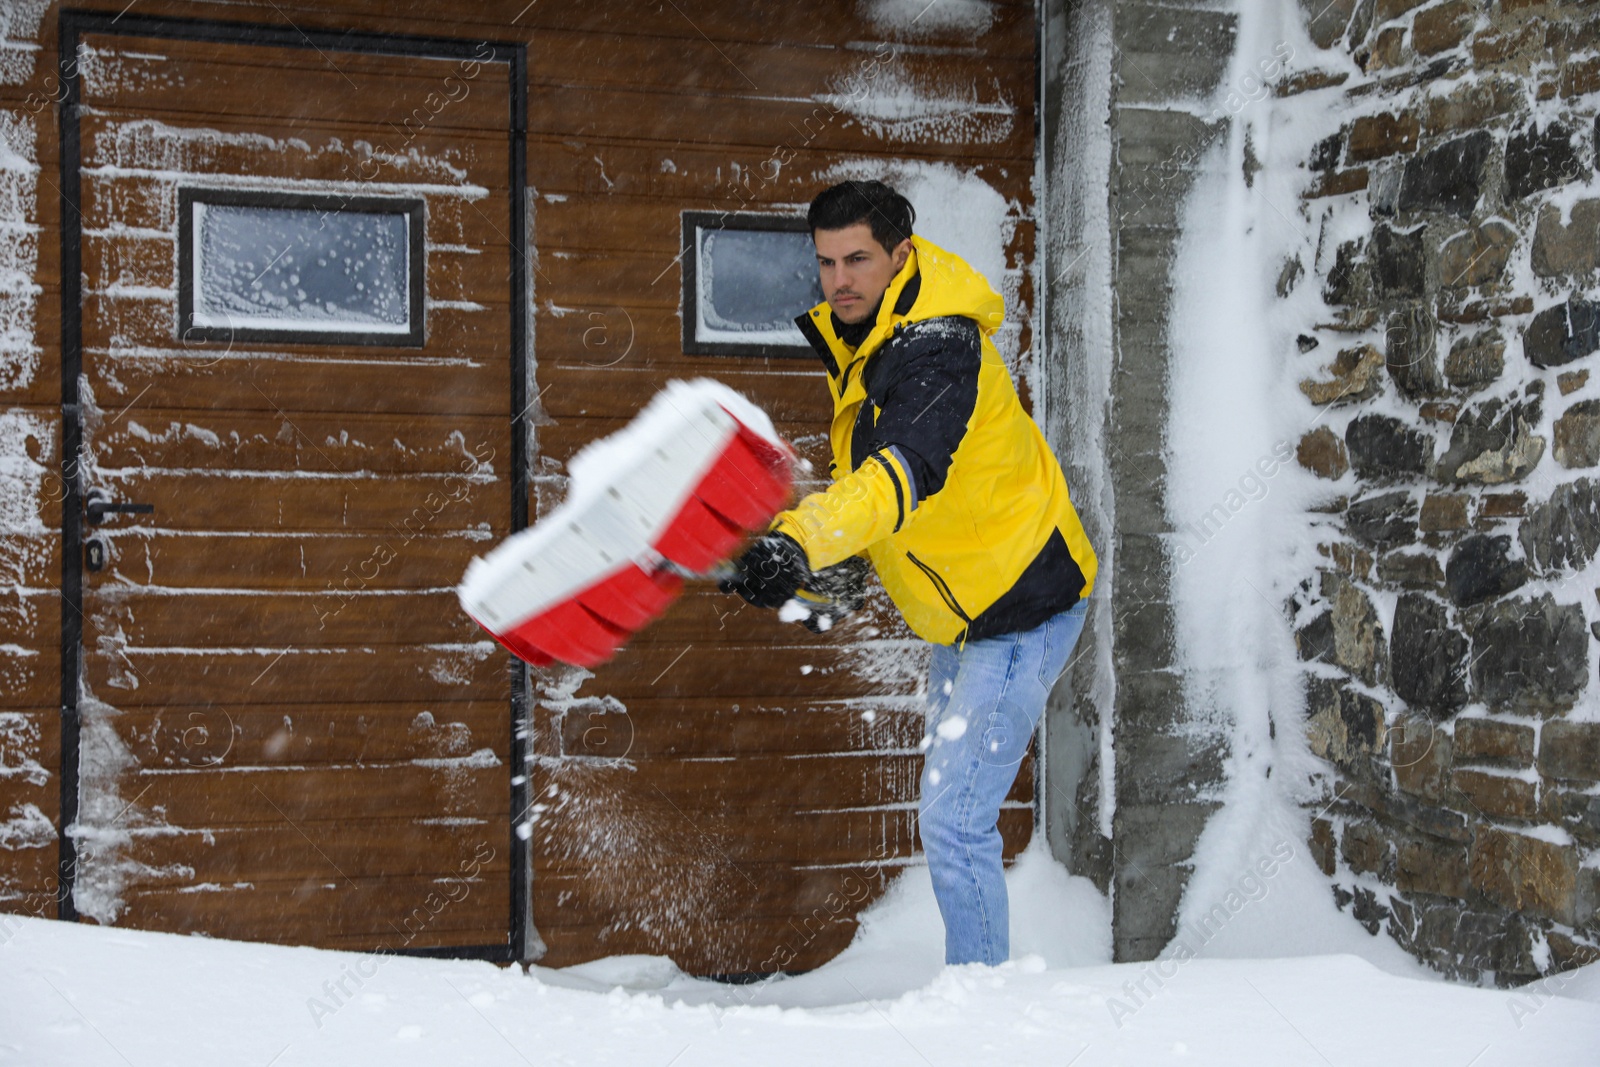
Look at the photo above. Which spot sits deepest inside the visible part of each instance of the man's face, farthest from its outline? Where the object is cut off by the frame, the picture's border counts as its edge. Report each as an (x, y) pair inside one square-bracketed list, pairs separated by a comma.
[(855, 269)]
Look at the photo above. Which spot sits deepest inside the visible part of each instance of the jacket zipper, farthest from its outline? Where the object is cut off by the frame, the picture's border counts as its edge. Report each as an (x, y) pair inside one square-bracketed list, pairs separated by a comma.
[(945, 593)]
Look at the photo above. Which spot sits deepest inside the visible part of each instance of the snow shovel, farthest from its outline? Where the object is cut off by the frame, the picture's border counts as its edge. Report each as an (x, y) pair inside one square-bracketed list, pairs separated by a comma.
[(669, 496)]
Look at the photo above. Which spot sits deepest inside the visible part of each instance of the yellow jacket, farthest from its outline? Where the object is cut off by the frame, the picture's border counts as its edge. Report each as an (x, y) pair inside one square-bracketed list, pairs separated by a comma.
[(940, 476)]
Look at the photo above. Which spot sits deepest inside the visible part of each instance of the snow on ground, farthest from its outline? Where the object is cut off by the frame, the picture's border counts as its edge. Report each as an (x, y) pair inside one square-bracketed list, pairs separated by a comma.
[(85, 995)]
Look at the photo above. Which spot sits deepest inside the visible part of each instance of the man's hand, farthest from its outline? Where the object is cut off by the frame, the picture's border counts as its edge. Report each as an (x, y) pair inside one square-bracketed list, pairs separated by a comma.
[(834, 592), (770, 572)]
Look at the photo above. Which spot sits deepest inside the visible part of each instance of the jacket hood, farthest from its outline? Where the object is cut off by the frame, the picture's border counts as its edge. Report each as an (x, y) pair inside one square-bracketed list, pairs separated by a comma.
[(951, 287)]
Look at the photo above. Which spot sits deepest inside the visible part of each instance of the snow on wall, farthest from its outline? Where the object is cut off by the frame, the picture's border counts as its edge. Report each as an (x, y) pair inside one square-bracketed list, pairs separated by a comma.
[(1073, 271), (1235, 415), (19, 249), (902, 108), (19, 39), (913, 18), (107, 821)]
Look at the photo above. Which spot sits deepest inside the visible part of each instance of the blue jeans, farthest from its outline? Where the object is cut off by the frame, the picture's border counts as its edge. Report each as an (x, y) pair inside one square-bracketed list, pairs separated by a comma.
[(984, 702)]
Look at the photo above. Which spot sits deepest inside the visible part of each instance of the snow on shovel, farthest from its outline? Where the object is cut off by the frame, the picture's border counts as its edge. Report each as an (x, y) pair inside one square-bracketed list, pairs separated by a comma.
[(671, 494)]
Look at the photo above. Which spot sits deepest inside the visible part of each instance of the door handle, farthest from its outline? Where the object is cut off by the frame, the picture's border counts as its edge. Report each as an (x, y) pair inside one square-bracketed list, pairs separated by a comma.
[(99, 509)]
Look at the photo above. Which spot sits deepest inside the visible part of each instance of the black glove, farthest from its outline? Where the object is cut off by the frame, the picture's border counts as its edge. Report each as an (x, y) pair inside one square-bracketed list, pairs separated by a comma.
[(770, 572), (835, 592)]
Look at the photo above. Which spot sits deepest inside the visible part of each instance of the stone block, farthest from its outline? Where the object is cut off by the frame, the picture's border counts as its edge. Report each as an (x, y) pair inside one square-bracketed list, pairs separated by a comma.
[(1424, 865), (1326, 22), (1393, 9), (1496, 506), (1477, 255), (1349, 281), (1413, 570), (1157, 767), (1384, 134), (1564, 532), (1560, 334), (1497, 796), (1411, 352), (1358, 639), (1383, 521), (1570, 750), (1481, 568), (1497, 44), (1343, 726), (1443, 512), (1494, 741), (1420, 755), (1493, 443), (1580, 77), (1577, 436), (1322, 845), (1473, 105), (1366, 850), (1476, 361), (1529, 656), (1428, 656), (1448, 178), (1540, 159), (1323, 454), (1150, 701), (1567, 250), (1441, 28), (1568, 383), (1527, 874), (1383, 448), (1142, 635), (1355, 374)]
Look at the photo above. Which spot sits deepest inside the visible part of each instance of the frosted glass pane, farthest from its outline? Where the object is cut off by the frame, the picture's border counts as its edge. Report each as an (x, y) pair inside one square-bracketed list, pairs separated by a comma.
[(287, 267), (754, 282)]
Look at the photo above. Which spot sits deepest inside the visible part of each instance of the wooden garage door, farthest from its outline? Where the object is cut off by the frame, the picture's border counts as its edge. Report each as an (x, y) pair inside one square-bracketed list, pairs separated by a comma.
[(289, 731)]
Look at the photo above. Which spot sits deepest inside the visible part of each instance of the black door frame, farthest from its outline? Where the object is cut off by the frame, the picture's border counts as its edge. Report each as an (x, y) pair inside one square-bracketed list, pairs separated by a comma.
[(74, 24)]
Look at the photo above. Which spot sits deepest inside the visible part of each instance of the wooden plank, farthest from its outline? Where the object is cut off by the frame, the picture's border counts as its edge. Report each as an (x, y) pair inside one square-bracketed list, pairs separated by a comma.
[(1006, 131), (297, 735), (213, 619), (373, 913), (357, 850), (799, 671), (667, 728), (30, 753), (333, 565), (149, 201), (842, 840), (697, 64), (30, 618), (200, 798), (315, 441), (138, 677), (619, 392), (558, 440), (246, 380), (131, 328), (212, 78), (303, 500), (771, 177), (31, 560), (1009, 30)]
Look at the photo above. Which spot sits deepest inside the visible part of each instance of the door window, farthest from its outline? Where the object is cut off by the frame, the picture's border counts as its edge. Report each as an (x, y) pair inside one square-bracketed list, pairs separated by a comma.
[(281, 267)]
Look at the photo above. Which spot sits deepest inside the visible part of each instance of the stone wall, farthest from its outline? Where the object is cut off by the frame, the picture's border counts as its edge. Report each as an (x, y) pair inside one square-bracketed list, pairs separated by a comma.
[(1144, 75), (1447, 638)]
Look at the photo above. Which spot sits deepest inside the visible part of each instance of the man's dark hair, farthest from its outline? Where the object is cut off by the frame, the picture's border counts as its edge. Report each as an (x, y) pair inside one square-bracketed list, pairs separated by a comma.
[(888, 213)]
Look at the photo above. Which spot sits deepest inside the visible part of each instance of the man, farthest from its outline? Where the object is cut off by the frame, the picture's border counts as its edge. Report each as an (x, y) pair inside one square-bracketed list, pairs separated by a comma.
[(948, 487)]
